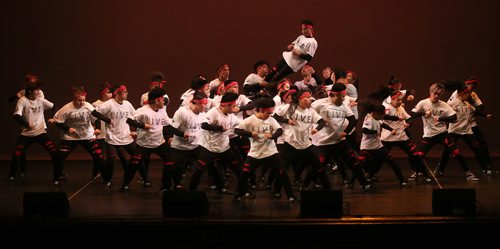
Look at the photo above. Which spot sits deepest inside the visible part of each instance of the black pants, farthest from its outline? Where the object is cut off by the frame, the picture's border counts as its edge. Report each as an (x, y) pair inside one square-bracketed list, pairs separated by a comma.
[(373, 160), (280, 71), (18, 159), (342, 151), (473, 144), (176, 163), (207, 161), (91, 146), (137, 160), (309, 155), (427, 143), (416, 162), (250, 166), (113, 150)]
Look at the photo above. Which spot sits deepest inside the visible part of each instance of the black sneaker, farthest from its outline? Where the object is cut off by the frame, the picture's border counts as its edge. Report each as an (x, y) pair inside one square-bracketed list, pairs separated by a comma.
[(124, 188), (292, 198), (277, 195), (56, 183)]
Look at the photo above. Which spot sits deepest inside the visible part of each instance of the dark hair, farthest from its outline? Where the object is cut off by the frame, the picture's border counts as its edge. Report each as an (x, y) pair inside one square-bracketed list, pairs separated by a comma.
[(337, 87), (198, 82), (31, 86), (154, 94), (392, 81), (219, 69), (103, 86), (229, 97), (319, 92), (472, 80), (198, 96), (156, 76), (295, 101), (259, 63), (307, 22), (78, 90), (264, 102), (31, 78), (369, 106)]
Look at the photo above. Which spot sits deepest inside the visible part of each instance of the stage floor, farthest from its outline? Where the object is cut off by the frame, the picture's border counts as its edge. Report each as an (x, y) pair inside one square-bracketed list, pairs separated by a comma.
[(92, 200), (92, 203)]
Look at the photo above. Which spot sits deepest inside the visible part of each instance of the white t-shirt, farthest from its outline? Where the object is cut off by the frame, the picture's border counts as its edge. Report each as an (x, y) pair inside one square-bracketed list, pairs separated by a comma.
[(32, 111), (187, 121), (118, 132), (371, 141), (354, 109), (335, 118), (260, 147), (477, 102), (302, 85), (152, 137), (77, 118), (214, 84), (307, 45), (352, 91), (281, 139), (252, 79), (101, 135), (277, 101), (188, 96), (217, 141), (399, 125), (439, 109), (464, 116), (298, 135)]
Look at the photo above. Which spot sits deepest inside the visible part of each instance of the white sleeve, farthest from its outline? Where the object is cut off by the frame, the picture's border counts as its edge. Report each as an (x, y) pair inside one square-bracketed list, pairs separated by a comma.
[(177, 119), (19, 106), (315, 116), (281, 111), (348, 111), (368, 124), (419, 107), (211, 117), (275, 124), (312, 49), (60, 116), (47, 105)]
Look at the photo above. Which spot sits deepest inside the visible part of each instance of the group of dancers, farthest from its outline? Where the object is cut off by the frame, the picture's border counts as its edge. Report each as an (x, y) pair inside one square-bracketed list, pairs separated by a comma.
[(308, 125)]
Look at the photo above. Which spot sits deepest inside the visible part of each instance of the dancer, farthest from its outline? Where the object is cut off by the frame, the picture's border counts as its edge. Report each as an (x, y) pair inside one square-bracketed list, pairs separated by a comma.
[(262, 130), (29, 112), (435, 113), (75, 121), (298, 53)]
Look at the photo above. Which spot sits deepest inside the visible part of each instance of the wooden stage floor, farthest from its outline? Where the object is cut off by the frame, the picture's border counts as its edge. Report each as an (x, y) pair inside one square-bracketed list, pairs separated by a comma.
[(388, 208)]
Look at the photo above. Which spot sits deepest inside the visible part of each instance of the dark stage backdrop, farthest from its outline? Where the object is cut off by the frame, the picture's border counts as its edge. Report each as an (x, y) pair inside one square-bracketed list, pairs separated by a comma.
[(87, 42)]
